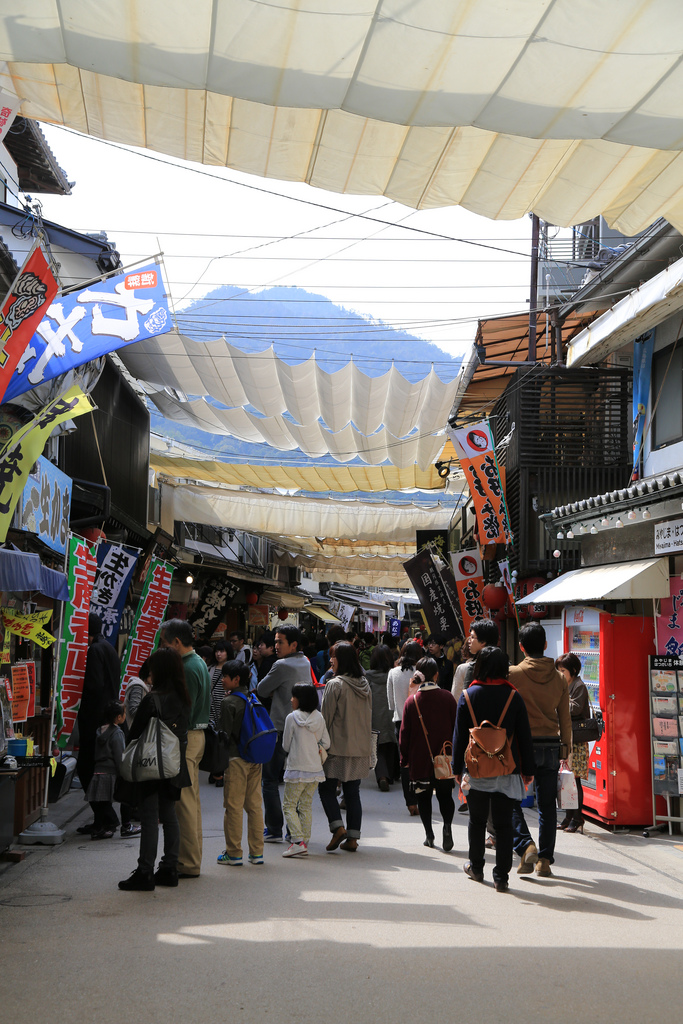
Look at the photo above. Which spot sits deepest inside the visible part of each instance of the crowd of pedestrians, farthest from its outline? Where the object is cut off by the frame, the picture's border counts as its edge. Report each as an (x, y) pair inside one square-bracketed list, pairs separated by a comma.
[(338, 708)]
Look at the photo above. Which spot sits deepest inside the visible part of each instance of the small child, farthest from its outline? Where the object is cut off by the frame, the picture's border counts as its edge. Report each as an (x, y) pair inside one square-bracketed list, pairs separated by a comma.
[(304, 736), (242, 780), (109, 745)]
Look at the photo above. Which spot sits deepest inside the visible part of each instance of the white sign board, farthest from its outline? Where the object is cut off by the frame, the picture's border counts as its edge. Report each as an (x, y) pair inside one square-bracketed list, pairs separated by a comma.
[(669, 536)]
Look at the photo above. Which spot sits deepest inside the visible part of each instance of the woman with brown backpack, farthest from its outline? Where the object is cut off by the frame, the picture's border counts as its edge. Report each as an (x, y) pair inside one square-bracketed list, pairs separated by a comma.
[(492, 744)]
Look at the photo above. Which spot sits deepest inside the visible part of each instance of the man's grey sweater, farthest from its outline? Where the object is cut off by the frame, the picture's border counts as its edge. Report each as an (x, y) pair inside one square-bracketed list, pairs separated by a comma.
[(278, 683)]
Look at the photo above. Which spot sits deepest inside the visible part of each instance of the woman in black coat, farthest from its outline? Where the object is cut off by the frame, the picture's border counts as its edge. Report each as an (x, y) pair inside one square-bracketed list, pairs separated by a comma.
[(156, 800), (489, 693)]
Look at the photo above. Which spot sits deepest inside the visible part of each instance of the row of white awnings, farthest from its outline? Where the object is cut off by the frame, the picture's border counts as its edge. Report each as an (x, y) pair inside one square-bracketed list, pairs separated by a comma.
[(623, 581)]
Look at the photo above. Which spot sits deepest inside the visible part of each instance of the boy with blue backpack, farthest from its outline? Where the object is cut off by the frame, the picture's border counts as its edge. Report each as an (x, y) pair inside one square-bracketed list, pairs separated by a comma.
[(252, 742)]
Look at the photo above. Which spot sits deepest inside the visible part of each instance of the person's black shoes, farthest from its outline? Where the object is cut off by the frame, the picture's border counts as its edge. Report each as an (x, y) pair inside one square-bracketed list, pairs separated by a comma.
[(166, 876), (138, 882), (447, 838)]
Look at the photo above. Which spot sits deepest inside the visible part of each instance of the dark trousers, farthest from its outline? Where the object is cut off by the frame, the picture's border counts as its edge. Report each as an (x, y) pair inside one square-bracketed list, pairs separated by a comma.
[(500, 808), (444, 794), (408, 793), (547, 758), (270, 788), (354, 810), (106, 817), (387, 762), (156, 808)]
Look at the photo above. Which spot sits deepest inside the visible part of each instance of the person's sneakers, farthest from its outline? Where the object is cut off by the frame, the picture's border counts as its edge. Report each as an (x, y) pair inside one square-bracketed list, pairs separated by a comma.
[(476, 876), (166, 876), (104, 833), (138, 882), (529, 858), (233, 862), (350, 845), (384, 785), (447, 838), (87, 830), (268, 837), (256, 858), (130, 830), (338, 836), (543, 868), (296, 850)]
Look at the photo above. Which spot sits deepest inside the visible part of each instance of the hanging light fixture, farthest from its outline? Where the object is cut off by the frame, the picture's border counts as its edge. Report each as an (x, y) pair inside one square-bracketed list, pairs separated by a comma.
[(594, 529), (604, 521), (583, 529), (647, 514), (632, 514), (570, 534), (619, 525)]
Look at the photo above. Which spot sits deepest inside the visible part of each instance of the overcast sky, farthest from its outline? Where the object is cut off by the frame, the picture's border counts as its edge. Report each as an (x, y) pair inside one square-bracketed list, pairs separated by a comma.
[(204, 218)]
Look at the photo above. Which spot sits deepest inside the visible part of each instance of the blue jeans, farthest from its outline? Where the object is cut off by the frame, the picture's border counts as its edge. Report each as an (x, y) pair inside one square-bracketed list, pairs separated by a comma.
[(354, 811), (547, 758), (270, 788)]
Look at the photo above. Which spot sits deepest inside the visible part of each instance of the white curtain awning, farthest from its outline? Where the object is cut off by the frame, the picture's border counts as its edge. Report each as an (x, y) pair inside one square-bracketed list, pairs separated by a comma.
[(279, 516), (622, 581), (306, 392), (635, 314), (501, 106)]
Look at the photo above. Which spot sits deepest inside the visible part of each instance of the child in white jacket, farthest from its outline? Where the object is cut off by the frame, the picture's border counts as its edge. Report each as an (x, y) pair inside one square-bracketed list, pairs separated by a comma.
[(304, 737)]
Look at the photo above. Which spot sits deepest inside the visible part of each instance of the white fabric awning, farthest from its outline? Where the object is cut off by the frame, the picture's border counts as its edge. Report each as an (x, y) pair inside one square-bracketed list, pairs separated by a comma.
[(619, 582), (502, 106), (279, 516), (321, 613), (635, 314)]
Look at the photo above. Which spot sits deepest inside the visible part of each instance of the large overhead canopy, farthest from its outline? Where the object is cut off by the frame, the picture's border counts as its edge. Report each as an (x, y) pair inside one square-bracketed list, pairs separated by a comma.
[(567, 107)]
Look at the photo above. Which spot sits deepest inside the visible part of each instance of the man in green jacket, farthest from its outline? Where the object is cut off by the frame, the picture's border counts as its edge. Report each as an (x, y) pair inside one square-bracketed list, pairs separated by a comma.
[(177, 633)]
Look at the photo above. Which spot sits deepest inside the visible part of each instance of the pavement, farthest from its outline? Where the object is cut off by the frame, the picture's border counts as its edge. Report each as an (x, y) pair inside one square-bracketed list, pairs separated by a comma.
[(395, 932)]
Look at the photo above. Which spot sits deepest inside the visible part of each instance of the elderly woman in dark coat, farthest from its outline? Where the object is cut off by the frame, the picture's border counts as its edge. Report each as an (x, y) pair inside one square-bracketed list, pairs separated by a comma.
[(169, 701)]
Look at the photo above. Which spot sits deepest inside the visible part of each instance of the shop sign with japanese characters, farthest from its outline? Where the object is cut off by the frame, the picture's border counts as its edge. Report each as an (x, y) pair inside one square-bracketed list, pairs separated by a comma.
[(425, 576), (469, 579), (474, 447), (670, 620), (669, 537), (89, 323), (82, 565), (28, 627), (45, 505), (149, 616), (27, 444), (216, 595), (115, 568)]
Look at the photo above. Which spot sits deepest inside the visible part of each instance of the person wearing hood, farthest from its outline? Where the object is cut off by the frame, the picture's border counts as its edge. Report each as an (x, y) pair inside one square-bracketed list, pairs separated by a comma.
[(546, 696), (347, 710), (304, 739)]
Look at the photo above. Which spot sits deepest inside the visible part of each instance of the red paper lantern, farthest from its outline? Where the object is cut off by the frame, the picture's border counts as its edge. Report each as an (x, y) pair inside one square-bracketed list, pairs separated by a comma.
[(494, 597), (282, 613), (252, 598), (94, 533)]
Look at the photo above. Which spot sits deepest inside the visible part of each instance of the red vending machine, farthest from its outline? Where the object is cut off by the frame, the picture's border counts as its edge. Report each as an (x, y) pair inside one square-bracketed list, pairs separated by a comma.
[(614, 650)]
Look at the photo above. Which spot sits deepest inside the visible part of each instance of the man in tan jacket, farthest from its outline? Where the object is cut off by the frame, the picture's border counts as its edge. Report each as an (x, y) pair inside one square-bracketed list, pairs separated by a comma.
[(546, 696)]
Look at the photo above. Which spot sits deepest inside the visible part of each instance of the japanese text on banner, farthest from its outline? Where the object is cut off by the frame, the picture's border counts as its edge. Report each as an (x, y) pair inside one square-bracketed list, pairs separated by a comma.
[(425, 576), (30, 296), (670, 620), (28, 627), (217, 593), (74, 649), (474, 447), (469, 579), (115, 568), (148, 618)]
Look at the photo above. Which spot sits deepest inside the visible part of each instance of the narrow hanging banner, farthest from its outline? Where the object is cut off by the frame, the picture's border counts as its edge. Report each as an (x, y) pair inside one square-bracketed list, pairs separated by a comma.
[(25, 306), (474, 448), (425, 576), (469, 579), (74, 648), (149, 616), (115, 568)]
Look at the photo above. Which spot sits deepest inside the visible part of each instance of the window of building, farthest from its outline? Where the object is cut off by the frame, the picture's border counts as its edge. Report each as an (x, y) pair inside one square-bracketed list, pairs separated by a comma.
[(667, 393)]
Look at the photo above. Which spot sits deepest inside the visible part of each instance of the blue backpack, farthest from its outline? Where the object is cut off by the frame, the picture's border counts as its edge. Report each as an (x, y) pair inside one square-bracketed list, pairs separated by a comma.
[(258, 735)]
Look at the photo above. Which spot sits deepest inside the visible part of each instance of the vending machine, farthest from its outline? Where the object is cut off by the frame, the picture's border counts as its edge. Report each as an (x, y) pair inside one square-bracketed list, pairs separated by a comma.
[(614, 650)]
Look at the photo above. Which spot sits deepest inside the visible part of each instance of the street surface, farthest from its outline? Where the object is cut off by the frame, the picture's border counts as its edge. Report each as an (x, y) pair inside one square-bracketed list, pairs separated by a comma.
[(395, 932)]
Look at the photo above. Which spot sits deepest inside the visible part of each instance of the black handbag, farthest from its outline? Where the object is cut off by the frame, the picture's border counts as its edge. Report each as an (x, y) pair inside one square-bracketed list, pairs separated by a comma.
[(216, 751), (588, 730)]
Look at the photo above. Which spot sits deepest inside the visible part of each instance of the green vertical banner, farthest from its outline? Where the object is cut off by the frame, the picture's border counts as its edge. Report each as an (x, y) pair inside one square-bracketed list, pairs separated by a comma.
[(149, 616), (73, 648)]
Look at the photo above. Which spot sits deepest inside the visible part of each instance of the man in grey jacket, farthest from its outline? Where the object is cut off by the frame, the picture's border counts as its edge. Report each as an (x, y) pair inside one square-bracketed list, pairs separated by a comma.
[(291, 667)]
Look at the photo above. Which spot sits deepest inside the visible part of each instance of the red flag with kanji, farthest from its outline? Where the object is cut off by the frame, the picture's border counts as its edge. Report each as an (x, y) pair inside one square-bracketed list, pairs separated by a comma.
[(24, 307)]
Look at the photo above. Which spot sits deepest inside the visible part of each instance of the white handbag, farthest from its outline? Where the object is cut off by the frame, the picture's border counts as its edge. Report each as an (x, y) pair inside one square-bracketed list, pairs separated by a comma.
[(154, 755)]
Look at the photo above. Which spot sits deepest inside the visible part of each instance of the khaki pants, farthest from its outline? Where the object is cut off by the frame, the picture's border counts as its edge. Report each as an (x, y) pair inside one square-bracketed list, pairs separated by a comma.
[(189, 808), (242, 792)]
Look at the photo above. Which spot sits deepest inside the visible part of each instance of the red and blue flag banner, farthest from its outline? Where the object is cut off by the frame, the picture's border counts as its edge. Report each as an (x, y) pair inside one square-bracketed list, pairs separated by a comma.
[(469, 579), (73, 651), (142, 640), (474, 448), (24, 307), (89, 323)]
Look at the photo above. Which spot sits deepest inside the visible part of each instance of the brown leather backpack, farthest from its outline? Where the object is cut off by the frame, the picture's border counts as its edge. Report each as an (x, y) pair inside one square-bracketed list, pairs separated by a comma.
[(488, 752)]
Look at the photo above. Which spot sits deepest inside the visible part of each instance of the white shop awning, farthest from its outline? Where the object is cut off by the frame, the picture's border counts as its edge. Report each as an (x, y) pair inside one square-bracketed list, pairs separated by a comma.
[(569, 109), (321, 613), (640, 580), (635, 314)]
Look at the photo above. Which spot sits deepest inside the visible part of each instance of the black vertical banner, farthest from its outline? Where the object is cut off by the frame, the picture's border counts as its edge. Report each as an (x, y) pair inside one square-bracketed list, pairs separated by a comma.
[(429, 585)]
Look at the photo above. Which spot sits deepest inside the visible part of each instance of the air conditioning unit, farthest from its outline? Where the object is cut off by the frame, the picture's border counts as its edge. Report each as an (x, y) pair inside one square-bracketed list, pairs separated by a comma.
[(284, 574)]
